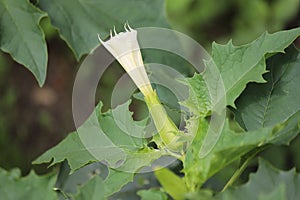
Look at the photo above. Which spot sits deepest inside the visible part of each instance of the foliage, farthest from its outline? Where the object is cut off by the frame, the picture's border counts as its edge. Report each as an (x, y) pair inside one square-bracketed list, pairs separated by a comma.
[(93, 190), (243, 64), (13, 187), (231, 146), (24, 40), (267, 183), (22, 37), (274, 100), (261, 88), (152, 194), (73, 11), (79, 154), (173, 185)]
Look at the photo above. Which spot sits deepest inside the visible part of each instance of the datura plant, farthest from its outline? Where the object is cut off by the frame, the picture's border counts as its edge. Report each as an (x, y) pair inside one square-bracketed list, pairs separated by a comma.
[(261, 88), (125, 48), (111, 155)]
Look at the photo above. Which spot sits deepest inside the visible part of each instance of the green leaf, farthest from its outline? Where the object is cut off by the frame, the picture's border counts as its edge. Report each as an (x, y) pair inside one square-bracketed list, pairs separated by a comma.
[(266, 183), (93, 190), (79, 21), (33, 187), (267, 104), (230, 147), (172, 184), (152, 194), (134, 152), (243, 64), (22, 37), (101, 139)]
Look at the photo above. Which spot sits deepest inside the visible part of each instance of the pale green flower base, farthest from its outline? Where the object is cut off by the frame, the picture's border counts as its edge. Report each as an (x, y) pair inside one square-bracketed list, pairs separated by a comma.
[(168, 131)]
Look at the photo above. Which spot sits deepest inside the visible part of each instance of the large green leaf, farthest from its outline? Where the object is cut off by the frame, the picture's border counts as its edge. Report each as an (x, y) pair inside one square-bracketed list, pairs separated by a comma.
[(108, 143), (266, 104), (79, 21), (266, 183), (33, 187), (243, 64), (22, 37)]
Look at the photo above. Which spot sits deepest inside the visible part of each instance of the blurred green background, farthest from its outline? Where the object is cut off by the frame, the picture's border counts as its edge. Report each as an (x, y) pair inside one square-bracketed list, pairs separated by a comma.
[(33, 119)]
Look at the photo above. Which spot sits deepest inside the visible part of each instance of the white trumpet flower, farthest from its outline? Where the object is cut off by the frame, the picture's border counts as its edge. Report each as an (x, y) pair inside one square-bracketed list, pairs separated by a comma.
[(125, 48)]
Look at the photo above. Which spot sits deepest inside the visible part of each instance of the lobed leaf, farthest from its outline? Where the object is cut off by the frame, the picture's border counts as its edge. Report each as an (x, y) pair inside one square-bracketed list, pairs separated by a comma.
[(134, 152), (239, 65), (104, 141), (33, 187)]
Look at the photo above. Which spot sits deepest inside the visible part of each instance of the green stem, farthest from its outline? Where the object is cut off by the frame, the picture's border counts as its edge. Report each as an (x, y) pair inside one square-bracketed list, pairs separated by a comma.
[(237, 174)]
